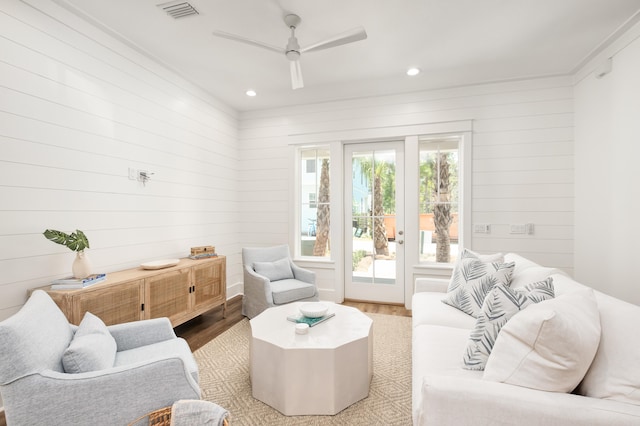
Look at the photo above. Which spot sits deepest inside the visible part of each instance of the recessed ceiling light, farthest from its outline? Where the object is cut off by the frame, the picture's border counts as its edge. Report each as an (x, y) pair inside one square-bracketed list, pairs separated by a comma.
[(251, 93), (413, 71)]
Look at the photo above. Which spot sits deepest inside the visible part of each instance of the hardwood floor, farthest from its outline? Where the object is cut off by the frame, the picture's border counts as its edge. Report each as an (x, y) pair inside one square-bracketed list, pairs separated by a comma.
[(379, 308), (206, 327)]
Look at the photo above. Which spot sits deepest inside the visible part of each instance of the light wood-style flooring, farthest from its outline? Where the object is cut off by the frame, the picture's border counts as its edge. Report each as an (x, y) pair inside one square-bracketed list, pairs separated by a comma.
[(206, 327)]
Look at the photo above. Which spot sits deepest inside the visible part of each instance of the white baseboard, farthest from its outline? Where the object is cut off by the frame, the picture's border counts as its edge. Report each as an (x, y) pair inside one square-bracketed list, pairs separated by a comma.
[(330, 295), (234, 290)]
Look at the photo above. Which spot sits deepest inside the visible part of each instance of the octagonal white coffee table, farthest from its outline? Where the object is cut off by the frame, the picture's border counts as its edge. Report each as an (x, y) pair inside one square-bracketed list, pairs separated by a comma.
[(318, 373)]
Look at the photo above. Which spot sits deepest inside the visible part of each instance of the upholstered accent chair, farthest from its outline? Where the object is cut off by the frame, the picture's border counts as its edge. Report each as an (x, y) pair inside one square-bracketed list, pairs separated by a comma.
[(120, 371), (271, 278)]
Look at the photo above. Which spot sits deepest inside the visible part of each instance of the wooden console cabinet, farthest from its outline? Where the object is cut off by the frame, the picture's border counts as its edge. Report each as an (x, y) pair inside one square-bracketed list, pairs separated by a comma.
[(180, 293)]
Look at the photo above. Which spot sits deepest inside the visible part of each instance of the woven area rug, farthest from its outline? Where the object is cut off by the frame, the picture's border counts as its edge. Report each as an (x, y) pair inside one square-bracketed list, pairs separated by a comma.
[(224, 379)]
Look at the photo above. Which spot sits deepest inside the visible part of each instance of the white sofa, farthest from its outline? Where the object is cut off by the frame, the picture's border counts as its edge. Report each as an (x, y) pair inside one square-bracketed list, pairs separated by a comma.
[(444, 393)]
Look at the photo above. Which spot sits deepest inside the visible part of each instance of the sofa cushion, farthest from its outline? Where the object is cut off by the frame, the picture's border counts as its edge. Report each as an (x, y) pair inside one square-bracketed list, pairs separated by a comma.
[(287, 291), (564, 284), (436, 350), (615, 371), (500, 305), (526, 271), (37, 326), (276, 270), (472, 278), (172, 348), (548, 346), (92, 348), (427, 308)]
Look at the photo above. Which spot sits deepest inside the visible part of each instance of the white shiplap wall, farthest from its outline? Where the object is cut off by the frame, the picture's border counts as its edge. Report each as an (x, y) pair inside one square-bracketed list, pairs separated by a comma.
[(78, 108), (522, 160), (607, 172)]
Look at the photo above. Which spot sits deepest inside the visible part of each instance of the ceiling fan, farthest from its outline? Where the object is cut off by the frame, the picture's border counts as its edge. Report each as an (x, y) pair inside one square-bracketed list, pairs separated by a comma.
[(293, 50)]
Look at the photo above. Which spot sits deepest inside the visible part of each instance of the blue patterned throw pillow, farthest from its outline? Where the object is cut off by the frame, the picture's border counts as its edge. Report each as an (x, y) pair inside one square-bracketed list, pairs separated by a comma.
[(500, 305)]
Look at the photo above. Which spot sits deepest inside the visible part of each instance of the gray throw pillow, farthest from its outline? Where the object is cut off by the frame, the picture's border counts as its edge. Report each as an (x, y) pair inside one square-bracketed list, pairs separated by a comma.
[(92, 348), (500, 305), (276, 270), (473, 277)]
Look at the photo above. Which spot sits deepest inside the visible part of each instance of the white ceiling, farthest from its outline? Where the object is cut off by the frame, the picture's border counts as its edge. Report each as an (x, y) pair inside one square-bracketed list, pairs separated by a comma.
[(453, 42)]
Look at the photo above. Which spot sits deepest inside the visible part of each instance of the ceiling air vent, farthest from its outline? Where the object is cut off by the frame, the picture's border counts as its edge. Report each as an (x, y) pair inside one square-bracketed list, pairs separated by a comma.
[(178, 9)]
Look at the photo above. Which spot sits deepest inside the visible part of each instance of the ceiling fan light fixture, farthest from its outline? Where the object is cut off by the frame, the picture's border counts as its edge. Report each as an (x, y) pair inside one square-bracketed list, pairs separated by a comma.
[(413, 71), (292, 55)]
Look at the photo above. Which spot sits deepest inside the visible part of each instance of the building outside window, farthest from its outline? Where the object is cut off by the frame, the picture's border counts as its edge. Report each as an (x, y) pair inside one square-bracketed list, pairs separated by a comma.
[(310, 166)]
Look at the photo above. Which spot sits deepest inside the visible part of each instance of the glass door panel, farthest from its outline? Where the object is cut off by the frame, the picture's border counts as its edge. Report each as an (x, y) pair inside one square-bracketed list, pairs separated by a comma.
[(374, 246)]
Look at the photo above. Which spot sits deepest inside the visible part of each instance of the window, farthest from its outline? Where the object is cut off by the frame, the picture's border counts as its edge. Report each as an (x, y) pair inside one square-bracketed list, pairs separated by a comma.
[(439, 199), (314, 199), (311, 165)]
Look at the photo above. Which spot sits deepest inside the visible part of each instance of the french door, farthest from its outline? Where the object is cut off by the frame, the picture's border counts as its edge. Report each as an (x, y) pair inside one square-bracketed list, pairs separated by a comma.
[(374, 221)]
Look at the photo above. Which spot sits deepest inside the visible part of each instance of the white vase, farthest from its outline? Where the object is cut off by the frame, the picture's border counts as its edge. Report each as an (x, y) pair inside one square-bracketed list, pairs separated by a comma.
[(81, 267)]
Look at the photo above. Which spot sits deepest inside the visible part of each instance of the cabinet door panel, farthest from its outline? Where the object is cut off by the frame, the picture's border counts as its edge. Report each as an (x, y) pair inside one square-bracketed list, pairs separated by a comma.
[(113, 305), (167, 295), (209, 281)]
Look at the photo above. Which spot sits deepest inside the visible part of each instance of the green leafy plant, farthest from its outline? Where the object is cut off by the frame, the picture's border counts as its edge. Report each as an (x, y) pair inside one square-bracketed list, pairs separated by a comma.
[(76, 241)]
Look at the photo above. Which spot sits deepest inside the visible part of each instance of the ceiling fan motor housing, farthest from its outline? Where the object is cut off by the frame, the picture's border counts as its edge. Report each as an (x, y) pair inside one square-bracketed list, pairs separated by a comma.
[(292, 20), (293, 49)]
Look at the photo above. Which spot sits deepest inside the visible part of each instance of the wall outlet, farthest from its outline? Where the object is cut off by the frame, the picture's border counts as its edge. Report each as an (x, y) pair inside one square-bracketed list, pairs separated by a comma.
[(528, 227), (480, 228), (521, 228), (517, 229), (133, 174)]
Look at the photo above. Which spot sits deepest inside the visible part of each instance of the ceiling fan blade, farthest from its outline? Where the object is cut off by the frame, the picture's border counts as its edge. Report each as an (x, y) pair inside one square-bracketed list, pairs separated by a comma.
[(350, 36), (296, 75), (248, 41)]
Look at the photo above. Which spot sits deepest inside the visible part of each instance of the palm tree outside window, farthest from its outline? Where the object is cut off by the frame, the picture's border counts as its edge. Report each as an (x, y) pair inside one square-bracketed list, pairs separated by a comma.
[(315, 208), (439, 199)]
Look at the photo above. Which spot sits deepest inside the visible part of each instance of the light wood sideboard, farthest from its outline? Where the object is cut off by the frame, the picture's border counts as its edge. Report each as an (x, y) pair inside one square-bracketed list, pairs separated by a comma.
[(181, 292)]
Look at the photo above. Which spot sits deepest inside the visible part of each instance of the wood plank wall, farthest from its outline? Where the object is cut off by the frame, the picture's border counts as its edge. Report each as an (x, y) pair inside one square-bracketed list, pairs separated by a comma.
[(522, 160), (78, 108)]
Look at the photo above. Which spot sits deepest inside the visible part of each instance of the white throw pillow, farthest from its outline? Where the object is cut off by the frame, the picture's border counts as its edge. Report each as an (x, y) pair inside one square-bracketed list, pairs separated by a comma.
[(615, 370), (549, 346), (92, 347), (500, 305), (276, 270), (472, 279)]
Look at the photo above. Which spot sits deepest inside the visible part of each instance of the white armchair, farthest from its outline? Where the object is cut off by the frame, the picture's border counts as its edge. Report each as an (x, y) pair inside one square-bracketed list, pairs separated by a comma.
[(271, 278), (151, 369)]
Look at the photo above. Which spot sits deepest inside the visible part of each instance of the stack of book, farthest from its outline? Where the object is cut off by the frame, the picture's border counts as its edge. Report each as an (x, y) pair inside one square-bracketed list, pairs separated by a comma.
[(299, 318), (71, 283), (202, 252)]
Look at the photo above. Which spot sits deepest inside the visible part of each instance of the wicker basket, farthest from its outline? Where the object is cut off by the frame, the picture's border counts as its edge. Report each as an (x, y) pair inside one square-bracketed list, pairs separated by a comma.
[(161, 417)]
